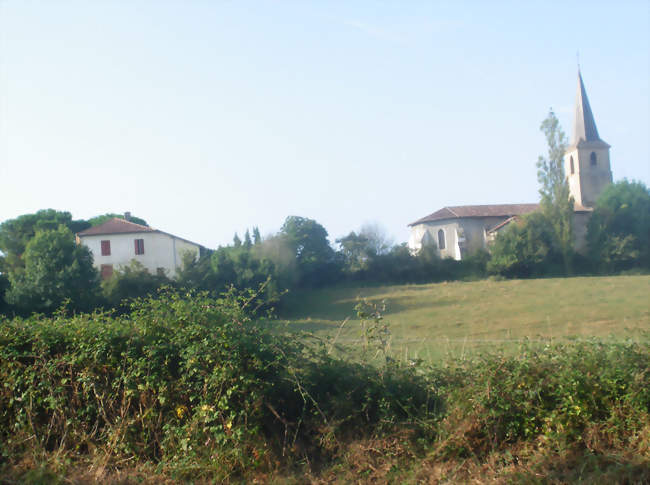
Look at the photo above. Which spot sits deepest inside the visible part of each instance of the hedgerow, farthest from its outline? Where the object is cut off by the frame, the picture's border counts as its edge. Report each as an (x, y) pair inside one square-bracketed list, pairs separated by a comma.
[(191, 383), (193, 388)]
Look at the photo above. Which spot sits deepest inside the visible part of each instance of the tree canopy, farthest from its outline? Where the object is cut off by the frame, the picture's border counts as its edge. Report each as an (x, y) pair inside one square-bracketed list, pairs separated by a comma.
[(308, 242), (16, 233), (556, 201), (55, 270), (99, 220), (618, 233)]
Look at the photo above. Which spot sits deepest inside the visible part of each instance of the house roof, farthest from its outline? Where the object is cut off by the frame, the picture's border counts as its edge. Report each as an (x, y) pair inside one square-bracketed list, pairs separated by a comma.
[(502, 224), (115, 226), (121, 226), (467, 211)]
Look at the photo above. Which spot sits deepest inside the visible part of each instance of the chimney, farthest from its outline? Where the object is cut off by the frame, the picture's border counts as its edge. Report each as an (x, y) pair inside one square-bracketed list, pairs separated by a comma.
[(127, 216)]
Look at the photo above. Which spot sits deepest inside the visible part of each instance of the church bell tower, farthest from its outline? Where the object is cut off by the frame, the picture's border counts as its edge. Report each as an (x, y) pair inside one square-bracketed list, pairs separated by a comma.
[(586, 161)]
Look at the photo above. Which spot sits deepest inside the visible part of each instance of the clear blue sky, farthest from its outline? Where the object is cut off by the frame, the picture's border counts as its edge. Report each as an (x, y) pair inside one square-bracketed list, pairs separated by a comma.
[(208, 117)]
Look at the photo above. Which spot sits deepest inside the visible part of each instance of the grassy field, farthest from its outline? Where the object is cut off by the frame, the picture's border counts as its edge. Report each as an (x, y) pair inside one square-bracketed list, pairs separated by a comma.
[(449, 319)]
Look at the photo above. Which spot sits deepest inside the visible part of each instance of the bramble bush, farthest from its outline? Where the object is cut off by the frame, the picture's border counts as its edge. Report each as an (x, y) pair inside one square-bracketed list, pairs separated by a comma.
[(194, 387), (556, 395), (189, 382)]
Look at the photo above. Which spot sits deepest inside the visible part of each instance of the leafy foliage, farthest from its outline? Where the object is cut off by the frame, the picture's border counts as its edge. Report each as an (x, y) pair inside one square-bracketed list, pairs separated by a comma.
[(132, 281), (526, 249), (240, 266), (555, 394), (4, 286), (99, 220), (55, 270), (16, 233), (618, 232), (315, 257), (190, 384), (187, 379), (556, 203), (356, 252)]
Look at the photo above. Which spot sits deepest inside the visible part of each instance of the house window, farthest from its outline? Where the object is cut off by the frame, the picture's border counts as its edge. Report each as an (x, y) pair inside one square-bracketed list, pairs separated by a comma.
[(441, 239), (571, 162), (106, 248), (106, 271), (139, 246), (592, 159)]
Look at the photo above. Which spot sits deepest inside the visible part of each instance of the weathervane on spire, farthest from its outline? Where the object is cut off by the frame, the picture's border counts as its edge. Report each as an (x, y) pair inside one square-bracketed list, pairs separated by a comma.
[(578, 58)]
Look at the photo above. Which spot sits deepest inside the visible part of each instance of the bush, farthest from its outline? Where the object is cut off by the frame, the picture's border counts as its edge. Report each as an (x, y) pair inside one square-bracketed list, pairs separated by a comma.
[(190, 385), (56, 270), (525, 249), (130, 282), (190, 382), (588, 393), (618, 232)]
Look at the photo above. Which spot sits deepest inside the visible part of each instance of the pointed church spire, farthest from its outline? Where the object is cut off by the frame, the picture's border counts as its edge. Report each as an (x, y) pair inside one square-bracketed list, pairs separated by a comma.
[(584, 126)]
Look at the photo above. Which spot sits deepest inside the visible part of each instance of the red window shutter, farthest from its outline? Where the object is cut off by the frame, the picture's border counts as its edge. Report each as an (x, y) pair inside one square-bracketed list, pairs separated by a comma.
[(139, 246), (106, 248), (106, 271)]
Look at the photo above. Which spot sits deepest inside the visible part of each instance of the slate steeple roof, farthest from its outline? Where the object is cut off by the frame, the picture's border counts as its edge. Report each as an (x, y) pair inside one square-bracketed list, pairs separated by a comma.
[(584, 125)]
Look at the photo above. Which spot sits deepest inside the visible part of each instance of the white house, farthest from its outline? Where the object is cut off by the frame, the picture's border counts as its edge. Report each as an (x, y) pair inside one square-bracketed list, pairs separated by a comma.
[(117, 242)]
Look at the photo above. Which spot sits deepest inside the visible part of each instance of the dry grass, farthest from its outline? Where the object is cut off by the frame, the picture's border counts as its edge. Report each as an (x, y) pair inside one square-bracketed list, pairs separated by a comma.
[(442, 320)]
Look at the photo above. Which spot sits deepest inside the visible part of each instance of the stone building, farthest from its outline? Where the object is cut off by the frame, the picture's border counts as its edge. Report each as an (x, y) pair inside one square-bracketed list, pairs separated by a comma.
[(458, 231), (586, 165)]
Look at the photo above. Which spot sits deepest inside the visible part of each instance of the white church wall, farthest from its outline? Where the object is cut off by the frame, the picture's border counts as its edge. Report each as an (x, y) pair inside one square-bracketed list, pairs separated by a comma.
[(462, 236), (449, 229)]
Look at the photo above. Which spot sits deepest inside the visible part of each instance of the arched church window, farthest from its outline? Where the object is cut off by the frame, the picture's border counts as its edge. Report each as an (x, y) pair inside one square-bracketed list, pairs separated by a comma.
[(592, 158), (571, 162), (441, 239)]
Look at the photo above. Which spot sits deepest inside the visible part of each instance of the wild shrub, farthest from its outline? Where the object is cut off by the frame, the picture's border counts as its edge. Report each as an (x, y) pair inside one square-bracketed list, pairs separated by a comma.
[(191, 386), (191, 383), (556, 396)]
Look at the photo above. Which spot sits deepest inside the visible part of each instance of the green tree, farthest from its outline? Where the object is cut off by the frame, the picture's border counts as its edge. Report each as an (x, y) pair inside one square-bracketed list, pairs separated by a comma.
[(16, 233), (4, 286), (55, 269), (356, 252), (196, 273), (236, 241), (525, 248), (378, 240), (257, 237), (247, 239), (314, 255), (556, 203), (98, 220), (618, 232), (132, 281)]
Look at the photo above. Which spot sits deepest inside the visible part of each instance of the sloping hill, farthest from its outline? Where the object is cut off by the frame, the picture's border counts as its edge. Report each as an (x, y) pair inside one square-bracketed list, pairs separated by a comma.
[(435, 320)]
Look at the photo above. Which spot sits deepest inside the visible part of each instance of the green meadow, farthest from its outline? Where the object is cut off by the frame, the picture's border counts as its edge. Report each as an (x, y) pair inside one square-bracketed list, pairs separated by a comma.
[(449, 319)]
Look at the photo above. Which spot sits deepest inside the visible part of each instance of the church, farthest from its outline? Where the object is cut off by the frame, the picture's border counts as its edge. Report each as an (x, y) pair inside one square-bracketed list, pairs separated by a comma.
[(458, 231)]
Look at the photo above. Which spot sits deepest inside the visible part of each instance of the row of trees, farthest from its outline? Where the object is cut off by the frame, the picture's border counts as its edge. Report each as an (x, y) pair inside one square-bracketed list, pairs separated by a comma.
[(41, 267)]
